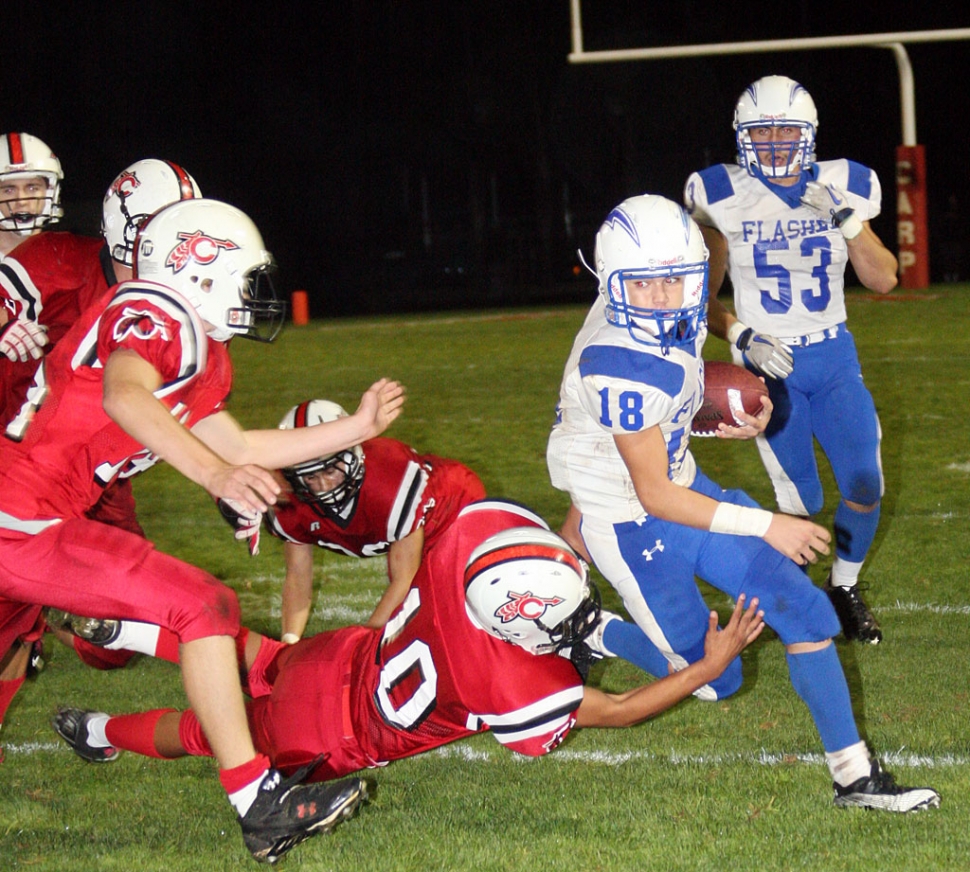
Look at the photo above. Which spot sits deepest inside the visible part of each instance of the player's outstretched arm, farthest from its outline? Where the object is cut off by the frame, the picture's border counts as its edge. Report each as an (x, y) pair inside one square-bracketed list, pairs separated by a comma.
[(599, 709), (277, 449), (128, 399), (379, 406)]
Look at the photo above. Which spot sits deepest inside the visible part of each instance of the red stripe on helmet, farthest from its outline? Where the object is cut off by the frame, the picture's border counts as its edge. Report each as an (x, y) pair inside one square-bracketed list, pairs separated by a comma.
[(299, 419), (518, 552), (186, 191), (16, 148)]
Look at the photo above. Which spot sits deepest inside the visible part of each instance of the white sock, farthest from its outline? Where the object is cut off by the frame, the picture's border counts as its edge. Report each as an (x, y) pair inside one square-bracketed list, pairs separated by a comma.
[(136, 636), (850, 764), (96, 736), (844, 573), (242, 799)]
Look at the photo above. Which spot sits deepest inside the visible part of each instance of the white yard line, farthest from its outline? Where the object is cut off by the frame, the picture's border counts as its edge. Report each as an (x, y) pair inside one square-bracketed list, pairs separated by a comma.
[(460, 751)]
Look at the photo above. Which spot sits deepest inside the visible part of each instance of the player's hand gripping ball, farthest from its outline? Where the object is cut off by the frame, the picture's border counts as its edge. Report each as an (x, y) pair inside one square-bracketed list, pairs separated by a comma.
[(727, 390)]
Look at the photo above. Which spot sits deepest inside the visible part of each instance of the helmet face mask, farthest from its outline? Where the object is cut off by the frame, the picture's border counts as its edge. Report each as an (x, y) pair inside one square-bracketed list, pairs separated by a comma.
[(212, 254), (649, 239), (526, 586), (339, 492), (25, 162), (775, 102), (136, 193)]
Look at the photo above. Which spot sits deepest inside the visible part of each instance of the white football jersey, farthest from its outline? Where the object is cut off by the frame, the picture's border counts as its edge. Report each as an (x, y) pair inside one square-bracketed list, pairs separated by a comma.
[(787, 264), (614, 385)]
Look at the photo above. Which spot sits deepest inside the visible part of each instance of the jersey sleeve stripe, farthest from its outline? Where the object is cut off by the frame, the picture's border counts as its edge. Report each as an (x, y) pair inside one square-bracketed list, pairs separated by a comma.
[(553, 708), (612, 361), (400, 521), (717, 183), (860, 180), (18, 286), (545, 728), (277, 530)]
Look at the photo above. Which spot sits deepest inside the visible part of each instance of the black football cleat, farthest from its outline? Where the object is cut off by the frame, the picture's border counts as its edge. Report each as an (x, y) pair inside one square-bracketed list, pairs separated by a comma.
[(880, 791), (858, 623), (286, 813), (71, 724)]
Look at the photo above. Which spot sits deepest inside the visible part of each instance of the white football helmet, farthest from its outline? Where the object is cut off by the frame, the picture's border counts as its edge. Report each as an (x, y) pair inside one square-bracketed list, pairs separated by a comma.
[(338, 499), (526, 586), (23, 156), (137, 193), (650, 237), (213, 255), (776, 101)]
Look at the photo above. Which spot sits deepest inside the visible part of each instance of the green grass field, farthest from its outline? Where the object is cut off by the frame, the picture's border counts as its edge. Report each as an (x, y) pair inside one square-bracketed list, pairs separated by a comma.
[(735, 784)]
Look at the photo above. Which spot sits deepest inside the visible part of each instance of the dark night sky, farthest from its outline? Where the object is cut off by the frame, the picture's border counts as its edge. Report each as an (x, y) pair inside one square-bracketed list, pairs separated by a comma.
[(332, 123)]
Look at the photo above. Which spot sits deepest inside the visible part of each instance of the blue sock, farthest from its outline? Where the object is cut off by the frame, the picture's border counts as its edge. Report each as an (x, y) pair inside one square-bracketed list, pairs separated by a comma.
[(628, 641), (854, 532), (818, 679)]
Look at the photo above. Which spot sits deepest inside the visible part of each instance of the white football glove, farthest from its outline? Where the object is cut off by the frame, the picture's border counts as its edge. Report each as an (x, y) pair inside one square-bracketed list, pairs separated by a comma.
[(245, 521), (22, 340), (765, 353), (832, 204)]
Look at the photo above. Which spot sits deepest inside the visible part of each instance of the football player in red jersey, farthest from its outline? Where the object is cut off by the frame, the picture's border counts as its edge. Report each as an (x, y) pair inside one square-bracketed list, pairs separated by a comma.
[(144, 375), (374, 498), (441, 669), (52, 278), (30, 200)]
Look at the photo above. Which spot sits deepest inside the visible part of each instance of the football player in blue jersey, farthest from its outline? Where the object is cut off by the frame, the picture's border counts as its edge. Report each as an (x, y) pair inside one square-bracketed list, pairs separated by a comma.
[(783, 226), (652, 521)]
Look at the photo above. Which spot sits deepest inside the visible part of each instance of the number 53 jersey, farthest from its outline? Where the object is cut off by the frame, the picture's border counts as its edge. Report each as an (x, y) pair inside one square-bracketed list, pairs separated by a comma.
[(786, 263)]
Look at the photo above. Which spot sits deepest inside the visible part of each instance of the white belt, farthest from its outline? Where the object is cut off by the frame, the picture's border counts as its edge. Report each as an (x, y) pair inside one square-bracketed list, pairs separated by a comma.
[(811, 338), (9, 522)]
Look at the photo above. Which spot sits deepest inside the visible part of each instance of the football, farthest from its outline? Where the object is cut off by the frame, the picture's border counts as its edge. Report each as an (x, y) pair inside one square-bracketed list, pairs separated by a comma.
[(727, 389)]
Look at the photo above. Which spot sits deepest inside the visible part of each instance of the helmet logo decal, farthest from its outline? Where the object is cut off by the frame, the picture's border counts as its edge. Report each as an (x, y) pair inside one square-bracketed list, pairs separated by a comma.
[(198, 247), (526, 605), (795, 91), (619, 218), (125, 184)]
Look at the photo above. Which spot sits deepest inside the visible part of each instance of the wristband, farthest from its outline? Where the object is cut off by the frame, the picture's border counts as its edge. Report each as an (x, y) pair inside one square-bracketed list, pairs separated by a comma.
[(849, 224), (740, 520), (289, 638), (735, 331)]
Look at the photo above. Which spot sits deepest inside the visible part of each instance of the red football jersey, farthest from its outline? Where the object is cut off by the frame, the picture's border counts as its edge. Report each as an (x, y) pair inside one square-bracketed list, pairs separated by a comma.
[(431, 676), (68, 448), (50, 278), (401, 491)]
